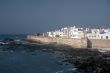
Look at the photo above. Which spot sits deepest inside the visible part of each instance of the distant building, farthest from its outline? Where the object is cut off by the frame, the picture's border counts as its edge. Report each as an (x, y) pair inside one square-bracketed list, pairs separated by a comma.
[(98, 34), (50, 34), (65, 32), (93, 34), (78, 33), (104, 36)]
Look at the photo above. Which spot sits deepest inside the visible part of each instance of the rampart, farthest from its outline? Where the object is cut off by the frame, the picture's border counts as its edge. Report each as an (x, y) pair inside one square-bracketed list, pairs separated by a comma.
[(100, 43), (76, 43)]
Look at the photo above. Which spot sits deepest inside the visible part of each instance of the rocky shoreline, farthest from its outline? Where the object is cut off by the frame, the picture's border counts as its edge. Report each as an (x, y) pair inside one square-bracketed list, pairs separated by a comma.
[(90, 61), (84, 59)]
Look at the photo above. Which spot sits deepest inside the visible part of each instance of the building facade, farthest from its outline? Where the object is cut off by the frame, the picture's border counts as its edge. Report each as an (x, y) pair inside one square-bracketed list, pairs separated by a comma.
[(78, 33)]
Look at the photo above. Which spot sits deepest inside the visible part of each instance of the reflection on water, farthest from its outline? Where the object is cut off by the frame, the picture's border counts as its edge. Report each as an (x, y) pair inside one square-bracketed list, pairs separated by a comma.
[(25, 61)]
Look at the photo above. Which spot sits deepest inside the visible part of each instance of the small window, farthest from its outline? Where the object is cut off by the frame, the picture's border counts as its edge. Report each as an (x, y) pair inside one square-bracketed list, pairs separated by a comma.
[(106, 37), (101, 37)]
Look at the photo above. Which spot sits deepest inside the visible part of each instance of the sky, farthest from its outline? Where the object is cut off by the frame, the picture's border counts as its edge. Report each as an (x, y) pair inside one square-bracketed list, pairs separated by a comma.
[(38, 16)]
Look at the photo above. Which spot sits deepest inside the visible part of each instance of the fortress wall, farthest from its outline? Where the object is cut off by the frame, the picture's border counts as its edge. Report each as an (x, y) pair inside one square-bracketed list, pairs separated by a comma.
[(96, 43), (76, 43)]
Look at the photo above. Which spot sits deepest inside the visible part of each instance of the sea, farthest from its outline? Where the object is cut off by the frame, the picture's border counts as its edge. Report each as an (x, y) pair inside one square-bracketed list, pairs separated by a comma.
[(18, 59)]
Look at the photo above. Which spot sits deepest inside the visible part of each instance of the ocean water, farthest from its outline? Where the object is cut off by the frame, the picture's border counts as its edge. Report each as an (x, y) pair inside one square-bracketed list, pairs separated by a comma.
[(18, 59), (32, 62), (12, 36)]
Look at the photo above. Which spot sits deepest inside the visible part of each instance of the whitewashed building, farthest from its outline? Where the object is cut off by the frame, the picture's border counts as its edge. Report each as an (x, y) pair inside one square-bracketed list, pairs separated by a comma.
[(98, 34), (65, 32), (50, 34), (57, 33), (94, 34), (78, 33), (104, 36)]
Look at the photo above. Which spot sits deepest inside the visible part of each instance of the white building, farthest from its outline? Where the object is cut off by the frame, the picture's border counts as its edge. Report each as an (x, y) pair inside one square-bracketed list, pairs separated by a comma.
[(104, 36), (50, 34), (65, 32), (57, 33), (99, 34), (78, 33), (94, 34)]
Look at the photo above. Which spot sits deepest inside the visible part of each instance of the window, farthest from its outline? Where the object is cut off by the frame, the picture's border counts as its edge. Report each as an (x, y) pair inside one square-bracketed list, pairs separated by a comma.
[(101, 37), (106, 37)]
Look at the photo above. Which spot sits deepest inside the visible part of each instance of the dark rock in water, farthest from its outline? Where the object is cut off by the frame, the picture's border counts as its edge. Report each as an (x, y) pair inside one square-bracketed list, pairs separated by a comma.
[(8, 40)]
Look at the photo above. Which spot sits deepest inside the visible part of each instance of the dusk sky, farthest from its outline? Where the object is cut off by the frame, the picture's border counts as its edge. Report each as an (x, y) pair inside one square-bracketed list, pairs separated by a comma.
[(32, 16)]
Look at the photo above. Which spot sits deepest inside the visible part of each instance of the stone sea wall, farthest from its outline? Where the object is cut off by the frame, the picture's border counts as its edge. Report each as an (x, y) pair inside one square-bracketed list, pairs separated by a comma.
[(76, 43), (96, 43)]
